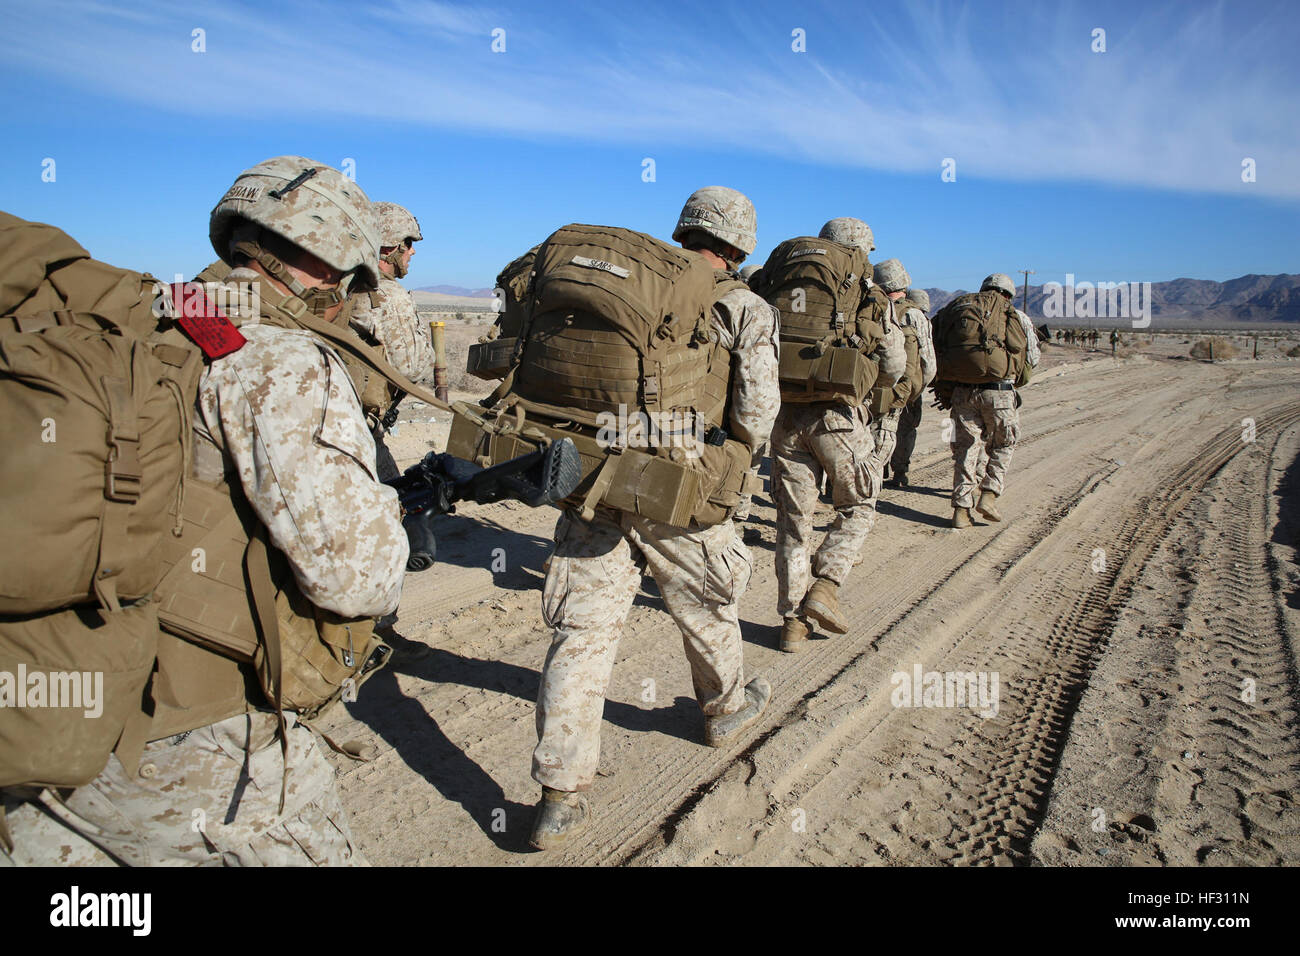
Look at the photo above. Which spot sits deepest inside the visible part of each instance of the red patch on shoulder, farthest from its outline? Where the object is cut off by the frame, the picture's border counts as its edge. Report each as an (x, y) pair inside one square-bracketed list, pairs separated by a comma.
[(202, 320)]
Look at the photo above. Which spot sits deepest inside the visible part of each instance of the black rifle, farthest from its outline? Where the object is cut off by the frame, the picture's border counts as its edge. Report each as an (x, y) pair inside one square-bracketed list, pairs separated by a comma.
[(433, 485)]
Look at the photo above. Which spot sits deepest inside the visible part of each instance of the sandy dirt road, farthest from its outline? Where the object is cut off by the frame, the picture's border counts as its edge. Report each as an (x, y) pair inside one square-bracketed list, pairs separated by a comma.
[(1138, 607)]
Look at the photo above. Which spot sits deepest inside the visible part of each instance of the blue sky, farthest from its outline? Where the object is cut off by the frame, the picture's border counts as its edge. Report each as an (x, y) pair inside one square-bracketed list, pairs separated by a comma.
[(1114, 166)]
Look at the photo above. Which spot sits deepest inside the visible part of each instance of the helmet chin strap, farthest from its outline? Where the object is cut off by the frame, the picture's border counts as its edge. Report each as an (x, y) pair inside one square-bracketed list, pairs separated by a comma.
[(395, 259), (318, 300)]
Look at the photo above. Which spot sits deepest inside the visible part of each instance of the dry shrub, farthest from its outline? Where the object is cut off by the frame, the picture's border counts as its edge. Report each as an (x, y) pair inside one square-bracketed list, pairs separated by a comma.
[(1223, 349), (1294, 352)]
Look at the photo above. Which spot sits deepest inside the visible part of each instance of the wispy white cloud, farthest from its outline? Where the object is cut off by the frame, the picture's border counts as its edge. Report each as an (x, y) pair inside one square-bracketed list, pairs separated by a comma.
[(1181, 96), (441, 19)]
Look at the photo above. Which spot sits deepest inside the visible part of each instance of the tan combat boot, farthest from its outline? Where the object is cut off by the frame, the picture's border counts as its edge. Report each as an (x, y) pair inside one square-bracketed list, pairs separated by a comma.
[(560, 815), (822, 604), (794, 635), (720, 731), (988, 506), (961, 518)]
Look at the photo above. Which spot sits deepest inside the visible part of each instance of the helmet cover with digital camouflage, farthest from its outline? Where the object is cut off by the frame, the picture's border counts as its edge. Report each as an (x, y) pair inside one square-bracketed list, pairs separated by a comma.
[(308, 205), (891, 276), (920, 298), (396, 225), (724, 214), (999, 282), (848, 231)]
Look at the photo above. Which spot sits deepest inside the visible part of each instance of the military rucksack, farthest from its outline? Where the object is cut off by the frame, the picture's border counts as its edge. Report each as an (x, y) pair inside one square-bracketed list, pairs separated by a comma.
[(978, 339), (617, 327), (98, 385), (831, 319), (490, 357), (96, 425)]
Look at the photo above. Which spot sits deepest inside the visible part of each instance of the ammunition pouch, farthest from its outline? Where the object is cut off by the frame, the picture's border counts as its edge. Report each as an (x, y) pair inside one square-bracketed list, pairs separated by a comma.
[(814, 372), (491, 359), (880, 400)]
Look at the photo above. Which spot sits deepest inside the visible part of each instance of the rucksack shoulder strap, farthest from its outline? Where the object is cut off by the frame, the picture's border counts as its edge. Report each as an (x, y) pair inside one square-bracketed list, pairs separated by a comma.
[(368, 356)]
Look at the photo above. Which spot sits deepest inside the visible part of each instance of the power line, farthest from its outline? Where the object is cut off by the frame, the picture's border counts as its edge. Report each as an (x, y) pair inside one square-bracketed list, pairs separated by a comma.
[(1025, 300)]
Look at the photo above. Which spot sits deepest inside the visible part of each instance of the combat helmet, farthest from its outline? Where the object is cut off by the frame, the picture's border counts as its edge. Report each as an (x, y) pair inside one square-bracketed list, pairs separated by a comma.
[(722, 213), (1001, 283), (891, 276), (920, 298), (396, 224), (848, 231), (310, 205)]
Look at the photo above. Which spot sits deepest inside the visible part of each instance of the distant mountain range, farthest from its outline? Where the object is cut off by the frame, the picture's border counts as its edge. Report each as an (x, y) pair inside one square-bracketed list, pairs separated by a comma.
[(1250, 298), (457, 290)]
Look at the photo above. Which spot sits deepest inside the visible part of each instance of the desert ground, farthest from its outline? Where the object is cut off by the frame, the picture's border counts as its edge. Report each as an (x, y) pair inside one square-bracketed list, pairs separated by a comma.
[(1139, 607)]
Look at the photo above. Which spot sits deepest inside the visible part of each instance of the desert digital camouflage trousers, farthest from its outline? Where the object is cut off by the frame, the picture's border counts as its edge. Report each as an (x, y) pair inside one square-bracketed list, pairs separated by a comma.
[(593, 577), (909, 420), (884, 432), (209, 797), (808, 440), (746, 503), (984, 420)]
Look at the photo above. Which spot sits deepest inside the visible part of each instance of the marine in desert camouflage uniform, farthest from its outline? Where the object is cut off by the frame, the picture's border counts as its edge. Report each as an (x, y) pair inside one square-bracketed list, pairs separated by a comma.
[(831, 438), (916, 312), (746, 504), (596, 567), (387, 316), (894, 280), (986, 420), (279, 418)]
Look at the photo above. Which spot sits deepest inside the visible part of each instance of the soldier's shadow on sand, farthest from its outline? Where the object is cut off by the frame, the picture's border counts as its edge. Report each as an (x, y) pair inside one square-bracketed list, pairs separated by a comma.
[(404, 724), (760, 635), (1287, 531), (682, 720), (920, 490), (649, 595), (409, 729), (443, 666), (467, 542), (895, 510)]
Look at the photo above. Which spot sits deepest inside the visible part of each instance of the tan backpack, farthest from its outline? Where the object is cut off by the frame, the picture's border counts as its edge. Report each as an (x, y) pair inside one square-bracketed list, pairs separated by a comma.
[(491, 356), (96, 404), (978, 340), (96, 424), (831, 319), (617, 326)]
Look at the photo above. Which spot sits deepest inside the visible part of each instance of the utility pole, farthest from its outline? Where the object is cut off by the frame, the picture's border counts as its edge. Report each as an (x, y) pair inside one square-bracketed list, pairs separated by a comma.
[(1024, 302)]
